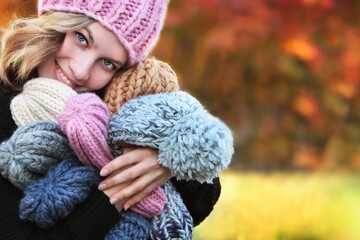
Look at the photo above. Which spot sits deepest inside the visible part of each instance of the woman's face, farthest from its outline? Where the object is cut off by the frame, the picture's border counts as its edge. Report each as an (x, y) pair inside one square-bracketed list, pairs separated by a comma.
[(86, 60)]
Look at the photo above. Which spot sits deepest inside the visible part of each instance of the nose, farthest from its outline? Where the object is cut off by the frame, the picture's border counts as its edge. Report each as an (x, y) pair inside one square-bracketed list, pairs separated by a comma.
[(81, 67)]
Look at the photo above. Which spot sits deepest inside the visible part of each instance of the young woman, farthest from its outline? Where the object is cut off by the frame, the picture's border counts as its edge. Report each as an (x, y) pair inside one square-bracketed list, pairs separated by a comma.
[(82, 44)]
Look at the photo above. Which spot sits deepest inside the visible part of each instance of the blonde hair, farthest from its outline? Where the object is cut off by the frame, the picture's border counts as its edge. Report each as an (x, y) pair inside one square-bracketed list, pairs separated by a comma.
[(28, 42)]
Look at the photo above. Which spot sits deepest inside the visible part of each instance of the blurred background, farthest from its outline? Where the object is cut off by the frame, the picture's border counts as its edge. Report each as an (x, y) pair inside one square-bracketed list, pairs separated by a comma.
[(284, 76)]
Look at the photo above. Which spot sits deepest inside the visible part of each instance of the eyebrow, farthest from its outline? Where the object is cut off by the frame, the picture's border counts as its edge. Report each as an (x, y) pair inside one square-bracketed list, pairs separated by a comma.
[(93, 41), (90, 34)]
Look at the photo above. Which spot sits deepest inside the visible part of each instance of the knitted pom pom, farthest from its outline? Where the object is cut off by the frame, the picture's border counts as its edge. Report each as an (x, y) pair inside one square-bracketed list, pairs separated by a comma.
[(175, 221), (41, 99), (198, 147), (131, 226), (31, 151), (150, 76), (193, 144), (84, 120), (152, 204), (55, 196)]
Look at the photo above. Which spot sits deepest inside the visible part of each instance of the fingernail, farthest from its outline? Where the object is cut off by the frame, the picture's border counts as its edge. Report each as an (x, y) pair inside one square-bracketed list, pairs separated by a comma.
[(104, 172), (114, 200), (102, 187), (126, 206)]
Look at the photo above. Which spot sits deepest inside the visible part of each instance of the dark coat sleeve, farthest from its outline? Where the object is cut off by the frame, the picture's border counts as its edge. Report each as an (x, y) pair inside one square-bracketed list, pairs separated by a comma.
[(91, 219)]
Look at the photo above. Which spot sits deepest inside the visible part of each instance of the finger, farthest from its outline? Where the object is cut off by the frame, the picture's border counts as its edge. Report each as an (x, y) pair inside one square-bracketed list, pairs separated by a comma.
[(119, 162), (140, 195), (125, 175), (129, 149), (111, 191), (135, 187)]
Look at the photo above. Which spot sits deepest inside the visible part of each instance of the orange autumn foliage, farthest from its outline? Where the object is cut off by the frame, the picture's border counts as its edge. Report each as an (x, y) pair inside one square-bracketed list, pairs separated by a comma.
[(280, 73)]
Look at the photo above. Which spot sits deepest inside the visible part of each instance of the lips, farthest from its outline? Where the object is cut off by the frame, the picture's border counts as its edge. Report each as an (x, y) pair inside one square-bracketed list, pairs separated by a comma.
[(62, 77)]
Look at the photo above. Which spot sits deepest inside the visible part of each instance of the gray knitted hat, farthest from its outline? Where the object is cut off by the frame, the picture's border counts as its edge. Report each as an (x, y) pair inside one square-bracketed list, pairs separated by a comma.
[(31, 151), (192, 143)]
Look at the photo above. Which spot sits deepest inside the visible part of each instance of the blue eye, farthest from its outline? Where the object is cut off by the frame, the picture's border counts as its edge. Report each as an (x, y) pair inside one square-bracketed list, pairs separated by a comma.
[(109, 64), (82, 39)]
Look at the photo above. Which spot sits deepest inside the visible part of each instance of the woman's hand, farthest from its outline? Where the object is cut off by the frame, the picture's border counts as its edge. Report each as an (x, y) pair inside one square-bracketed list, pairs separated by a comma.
[(133, 175)]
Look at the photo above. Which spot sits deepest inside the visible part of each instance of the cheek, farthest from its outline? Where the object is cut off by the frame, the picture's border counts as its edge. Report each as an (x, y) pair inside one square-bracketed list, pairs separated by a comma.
[(46, 69), (100, 80)]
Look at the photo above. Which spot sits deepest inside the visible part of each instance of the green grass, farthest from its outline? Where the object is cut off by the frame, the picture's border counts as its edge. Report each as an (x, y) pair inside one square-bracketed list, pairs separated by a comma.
[(282, 206)]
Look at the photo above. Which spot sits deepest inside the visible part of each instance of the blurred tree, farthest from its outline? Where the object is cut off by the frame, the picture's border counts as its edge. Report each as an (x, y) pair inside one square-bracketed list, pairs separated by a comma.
[(283, 74)]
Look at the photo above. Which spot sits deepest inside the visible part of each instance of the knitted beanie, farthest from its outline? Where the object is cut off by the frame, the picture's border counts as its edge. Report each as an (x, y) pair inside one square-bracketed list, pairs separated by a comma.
[(150, 76), (31, 151), (175, 222), (85, 120), (136, 23), (41, 99), (55, 196), (193, 144), (130, 226)]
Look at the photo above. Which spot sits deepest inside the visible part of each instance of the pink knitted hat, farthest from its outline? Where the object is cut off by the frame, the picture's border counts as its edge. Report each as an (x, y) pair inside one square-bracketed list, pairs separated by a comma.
[(84, 120), (136, 23), (152, 204)]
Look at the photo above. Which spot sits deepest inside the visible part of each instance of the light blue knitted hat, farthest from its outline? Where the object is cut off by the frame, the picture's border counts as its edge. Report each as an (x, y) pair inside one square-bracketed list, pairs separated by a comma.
[(192, 143)]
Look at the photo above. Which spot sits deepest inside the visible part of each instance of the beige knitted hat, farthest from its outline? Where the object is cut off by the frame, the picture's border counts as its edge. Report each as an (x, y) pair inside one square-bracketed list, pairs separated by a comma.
[(150, 76), (41, 99)]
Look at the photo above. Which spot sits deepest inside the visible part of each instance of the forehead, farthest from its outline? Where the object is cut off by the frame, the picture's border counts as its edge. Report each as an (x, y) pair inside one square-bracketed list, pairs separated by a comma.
[(106, 42)]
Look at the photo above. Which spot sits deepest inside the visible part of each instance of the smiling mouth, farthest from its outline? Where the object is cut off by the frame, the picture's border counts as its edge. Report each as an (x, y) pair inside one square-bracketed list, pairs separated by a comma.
[(63, 76)]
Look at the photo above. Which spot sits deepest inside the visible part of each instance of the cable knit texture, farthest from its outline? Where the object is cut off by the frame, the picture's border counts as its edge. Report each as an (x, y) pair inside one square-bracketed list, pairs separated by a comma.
[(31, 151), (131, 226), (69, 183), (175, 222), (192, 143), (41, 99), (55, 196), (85, 120), (136, 23), (152, 204), (150, 76)]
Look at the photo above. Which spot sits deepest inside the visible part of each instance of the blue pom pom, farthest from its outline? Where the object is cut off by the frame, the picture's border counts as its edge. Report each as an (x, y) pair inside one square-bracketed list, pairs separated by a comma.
[(55, 196), (197, 147)]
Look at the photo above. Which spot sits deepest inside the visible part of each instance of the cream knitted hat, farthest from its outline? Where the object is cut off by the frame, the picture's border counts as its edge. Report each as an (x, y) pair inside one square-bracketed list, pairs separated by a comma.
[(41, 99)]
